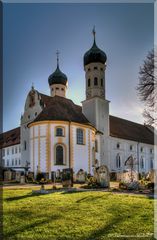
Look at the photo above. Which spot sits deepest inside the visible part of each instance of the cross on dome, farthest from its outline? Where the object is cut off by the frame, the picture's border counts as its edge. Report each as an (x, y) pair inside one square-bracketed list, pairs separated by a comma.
[(57, 53)]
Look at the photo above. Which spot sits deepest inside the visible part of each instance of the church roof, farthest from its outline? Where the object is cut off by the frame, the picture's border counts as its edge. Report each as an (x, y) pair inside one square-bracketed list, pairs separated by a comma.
[(10, 138), (63, 109), (122, 128), (60, 108)]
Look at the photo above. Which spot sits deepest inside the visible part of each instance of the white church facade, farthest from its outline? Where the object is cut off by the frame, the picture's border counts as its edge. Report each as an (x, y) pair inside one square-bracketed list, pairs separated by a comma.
[(55, 133)]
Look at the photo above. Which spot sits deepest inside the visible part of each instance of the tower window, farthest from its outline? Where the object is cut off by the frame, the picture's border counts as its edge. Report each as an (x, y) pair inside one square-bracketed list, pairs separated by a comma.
[(95, 68), (141, 149), (57, 88), (52, 89), (96, 146), (59, 155), (62, 89), (95, 81), (80, 136), (89, 69), (89, 82), (131, 147), (101, 69), (101, 82)]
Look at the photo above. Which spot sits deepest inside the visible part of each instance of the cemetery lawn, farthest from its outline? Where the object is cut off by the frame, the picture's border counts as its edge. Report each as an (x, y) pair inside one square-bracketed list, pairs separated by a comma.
[(76, 216)]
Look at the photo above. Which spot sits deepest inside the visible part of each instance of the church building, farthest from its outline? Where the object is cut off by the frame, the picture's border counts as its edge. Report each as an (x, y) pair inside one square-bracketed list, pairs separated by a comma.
[(55, 133)]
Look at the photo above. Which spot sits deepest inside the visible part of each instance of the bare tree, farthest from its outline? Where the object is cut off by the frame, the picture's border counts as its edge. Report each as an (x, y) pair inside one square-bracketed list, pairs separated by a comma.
[(147, 87)]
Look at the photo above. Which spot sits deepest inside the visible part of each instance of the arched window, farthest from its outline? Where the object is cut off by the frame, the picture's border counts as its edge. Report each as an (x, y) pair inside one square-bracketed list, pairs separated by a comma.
[(25, 145), (80, 136), (59, 132), (96, 145), (118, 145), (118, 161), (102, 82), (95, 81), (89, 82), (59, 155), (151, 163), (142, 163)]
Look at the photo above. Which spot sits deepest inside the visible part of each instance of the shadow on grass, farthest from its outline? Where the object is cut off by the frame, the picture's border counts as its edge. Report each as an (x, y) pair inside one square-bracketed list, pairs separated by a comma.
[(29, 195), (30, 226), (90, 198)]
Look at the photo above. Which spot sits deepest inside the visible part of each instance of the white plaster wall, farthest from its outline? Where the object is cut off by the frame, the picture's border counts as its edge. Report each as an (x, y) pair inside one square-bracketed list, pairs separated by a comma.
[(80, 152), (11, 156), (43, 154), (93, 90), (58, 89), (125, 152)]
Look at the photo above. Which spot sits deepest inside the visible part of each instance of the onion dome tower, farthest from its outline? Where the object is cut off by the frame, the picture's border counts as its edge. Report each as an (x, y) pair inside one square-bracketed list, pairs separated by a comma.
[(58, 81), (94, 66)]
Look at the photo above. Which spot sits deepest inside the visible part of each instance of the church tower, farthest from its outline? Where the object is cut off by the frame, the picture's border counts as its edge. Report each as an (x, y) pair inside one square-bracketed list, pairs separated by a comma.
[(96, 106), (58, 82)]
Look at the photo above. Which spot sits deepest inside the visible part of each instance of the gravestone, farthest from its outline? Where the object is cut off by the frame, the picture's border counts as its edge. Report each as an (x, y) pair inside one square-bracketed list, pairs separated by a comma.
[(151, 175), (102, 176), (67, 177), (7, 175), (81, 176), (22, 180), (127, 176), (18, 176)]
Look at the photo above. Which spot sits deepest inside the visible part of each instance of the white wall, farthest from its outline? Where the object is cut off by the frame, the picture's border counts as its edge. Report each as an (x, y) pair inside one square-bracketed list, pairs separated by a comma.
[(124, 152), (10, 155), (81, 155)]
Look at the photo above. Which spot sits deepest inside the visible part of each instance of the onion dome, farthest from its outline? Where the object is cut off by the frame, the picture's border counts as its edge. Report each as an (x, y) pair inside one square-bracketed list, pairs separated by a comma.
[(58, 77), (94, 54)]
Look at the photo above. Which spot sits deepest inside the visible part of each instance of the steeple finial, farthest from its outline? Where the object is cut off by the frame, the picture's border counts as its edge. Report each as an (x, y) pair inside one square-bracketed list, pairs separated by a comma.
[(57, 53), (32, 86), (94, 33)]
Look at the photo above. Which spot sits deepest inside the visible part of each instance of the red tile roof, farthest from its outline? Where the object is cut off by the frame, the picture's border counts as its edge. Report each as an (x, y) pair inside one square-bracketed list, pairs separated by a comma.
[(59, 108), (10, 138), (122, 128)]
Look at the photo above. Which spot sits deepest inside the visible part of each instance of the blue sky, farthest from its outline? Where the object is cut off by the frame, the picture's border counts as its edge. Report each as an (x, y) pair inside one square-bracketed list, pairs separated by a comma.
[(33, 32)]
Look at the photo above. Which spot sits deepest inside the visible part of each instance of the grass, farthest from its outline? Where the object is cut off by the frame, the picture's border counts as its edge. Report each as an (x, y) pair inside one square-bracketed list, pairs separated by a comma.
[(76, 216)]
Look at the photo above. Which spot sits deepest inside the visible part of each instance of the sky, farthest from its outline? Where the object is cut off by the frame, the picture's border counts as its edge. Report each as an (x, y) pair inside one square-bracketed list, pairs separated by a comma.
[(33, 32)]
